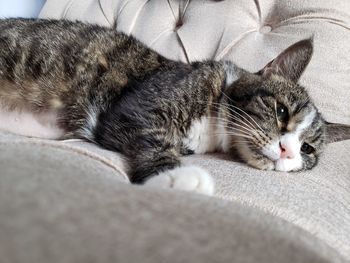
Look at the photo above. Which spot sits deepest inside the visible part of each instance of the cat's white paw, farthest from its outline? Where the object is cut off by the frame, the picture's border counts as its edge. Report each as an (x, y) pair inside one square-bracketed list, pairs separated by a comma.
[(187, 178)]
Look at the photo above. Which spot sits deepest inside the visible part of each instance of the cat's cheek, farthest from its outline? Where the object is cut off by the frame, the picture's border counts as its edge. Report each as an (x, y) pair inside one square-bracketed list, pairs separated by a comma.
[(288, 165), (186, 178)]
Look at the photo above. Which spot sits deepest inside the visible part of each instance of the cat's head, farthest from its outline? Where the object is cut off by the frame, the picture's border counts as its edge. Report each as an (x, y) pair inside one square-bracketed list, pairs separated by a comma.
[(271, 121)]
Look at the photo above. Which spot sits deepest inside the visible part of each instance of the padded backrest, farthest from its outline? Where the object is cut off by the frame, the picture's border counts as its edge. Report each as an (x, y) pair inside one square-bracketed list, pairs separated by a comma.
[(250, 33)]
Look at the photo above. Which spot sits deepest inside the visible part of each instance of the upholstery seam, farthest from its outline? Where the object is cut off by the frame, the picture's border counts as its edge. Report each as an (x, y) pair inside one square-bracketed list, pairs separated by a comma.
[(185, 9), (218, 43), (123, 7), (232, 44), (159, 36), (259, 10), (301, 19), (69, 5), (183, 47), (172, 10), (181, 16), (136, 15), (104, 13)]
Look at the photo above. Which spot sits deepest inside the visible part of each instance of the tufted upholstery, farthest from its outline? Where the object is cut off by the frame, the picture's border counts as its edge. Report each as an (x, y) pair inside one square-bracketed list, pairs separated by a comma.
[(250, 33)]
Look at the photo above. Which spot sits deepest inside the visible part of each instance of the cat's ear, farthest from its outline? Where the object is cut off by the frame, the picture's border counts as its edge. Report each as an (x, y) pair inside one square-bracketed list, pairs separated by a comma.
[(292, 62), (337, 132)]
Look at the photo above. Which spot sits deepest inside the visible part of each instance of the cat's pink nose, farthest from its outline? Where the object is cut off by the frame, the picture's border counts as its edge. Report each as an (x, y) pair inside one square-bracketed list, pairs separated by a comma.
[(286, 152)]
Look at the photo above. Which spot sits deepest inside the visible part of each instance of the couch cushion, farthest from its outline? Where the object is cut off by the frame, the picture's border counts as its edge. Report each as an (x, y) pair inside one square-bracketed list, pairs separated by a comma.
[(55, 157), (56, 207), (248, 33), (316, 201), (251, 33)]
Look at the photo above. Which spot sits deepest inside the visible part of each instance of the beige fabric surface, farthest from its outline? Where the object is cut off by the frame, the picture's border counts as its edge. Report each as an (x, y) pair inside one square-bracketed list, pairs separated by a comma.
[(60, 206)]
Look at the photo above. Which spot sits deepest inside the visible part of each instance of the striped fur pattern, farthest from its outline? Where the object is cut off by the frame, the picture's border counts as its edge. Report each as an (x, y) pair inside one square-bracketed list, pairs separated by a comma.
[(90, 82)]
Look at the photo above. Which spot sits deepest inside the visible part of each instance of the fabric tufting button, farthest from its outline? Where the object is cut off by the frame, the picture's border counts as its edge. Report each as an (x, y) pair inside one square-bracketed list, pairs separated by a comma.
[(265, 29), (179, 24)]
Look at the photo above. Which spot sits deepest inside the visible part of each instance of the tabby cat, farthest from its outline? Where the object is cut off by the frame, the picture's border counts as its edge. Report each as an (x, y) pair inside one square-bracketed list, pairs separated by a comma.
[(62, 79)]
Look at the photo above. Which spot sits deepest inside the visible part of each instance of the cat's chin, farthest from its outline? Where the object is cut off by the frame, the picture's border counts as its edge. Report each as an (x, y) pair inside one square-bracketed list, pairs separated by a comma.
[(281, 165), (289, 165)]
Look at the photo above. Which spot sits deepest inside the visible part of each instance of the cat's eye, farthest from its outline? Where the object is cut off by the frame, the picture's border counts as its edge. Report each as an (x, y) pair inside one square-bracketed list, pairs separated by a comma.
[(282, 113), (307, 148)]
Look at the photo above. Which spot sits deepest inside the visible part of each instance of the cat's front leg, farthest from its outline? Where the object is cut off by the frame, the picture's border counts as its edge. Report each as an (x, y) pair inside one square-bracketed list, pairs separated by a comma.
[(261, 162), (187, 178), (254, 159), (155, 161)]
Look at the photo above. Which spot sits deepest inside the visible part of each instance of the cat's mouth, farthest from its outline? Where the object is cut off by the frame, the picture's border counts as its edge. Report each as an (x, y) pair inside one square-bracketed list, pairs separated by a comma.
[(283, 164), (289, 164)]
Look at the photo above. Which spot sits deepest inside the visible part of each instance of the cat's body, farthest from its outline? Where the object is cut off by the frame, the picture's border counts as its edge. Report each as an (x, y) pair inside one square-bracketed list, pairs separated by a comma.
[(90, 78), (60, 65), (61, 79)]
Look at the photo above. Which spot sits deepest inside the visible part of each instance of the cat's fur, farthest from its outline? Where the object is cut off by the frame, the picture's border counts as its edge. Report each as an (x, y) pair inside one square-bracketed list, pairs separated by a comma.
[(85, 81)]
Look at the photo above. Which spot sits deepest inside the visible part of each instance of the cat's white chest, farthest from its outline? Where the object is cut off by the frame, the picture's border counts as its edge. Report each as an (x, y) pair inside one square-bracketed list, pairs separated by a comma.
[(205, 135)]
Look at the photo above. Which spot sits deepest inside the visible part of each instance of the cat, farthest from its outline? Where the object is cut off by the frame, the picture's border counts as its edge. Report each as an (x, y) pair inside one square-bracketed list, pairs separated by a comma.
[(61, 79)]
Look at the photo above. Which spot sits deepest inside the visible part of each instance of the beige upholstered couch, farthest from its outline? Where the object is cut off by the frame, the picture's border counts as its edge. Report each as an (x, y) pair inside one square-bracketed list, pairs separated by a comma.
[(71, 201)]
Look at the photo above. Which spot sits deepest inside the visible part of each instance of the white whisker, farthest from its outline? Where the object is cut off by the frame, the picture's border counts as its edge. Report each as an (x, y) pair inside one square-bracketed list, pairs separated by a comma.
[(244, 112)]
